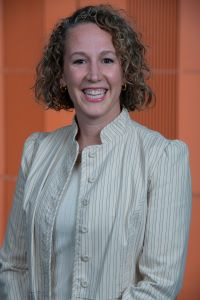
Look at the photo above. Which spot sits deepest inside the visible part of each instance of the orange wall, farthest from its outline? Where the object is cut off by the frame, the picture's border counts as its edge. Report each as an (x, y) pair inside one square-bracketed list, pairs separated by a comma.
[(189, 129), (157, 20), (2, 211), (171, 28), (21, 41)]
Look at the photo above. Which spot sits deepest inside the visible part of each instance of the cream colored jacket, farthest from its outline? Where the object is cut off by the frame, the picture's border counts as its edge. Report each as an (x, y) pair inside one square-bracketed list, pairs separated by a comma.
[(132, 218)]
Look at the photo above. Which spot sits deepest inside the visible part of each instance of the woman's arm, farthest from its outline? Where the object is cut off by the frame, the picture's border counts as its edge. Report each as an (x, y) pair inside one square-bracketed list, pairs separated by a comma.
[(165, 245), (13, 255)]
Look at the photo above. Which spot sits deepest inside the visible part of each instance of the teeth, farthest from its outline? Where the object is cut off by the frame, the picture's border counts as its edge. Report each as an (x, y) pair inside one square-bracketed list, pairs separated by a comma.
[(95, 92)]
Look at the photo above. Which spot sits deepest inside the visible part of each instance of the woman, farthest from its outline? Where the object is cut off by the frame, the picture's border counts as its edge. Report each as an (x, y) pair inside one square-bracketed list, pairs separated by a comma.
[(102, 207)]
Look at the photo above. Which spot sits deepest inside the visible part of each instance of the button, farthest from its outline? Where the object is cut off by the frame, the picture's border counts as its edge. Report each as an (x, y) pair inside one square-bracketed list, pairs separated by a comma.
[(83, 229), (85, 258), (84, 283), (85, 202), (91, 179), (91, 154)]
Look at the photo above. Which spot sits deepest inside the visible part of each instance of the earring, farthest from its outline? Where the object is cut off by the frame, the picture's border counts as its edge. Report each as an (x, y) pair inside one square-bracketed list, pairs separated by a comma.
[(124, 87), (63, 89)]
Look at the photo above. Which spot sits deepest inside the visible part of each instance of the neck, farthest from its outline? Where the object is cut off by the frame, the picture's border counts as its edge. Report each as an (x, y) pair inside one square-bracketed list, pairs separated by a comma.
[(89, 131), (88, 134)]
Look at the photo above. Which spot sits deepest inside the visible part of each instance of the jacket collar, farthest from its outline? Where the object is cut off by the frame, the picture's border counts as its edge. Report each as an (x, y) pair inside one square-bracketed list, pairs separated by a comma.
[(114, 130)]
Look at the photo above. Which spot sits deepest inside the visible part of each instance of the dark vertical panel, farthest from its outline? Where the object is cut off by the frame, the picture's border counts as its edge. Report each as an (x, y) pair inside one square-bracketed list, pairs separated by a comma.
[(157, 21)]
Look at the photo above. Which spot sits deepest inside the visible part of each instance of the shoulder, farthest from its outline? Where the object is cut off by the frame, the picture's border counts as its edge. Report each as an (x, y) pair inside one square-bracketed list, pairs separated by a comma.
[(37, 138), (46, 139), (146, 136), (155, 146)]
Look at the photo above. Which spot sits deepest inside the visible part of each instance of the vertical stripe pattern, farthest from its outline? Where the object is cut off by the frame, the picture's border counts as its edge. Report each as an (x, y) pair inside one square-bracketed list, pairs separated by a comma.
[(132, 220)]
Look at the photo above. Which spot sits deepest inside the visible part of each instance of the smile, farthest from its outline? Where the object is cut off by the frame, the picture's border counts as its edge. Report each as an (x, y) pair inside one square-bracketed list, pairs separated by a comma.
[(95, 94)]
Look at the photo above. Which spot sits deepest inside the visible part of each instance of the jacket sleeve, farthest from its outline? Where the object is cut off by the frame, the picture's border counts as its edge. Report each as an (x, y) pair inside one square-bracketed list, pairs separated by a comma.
[(162, 261), (13, 255)]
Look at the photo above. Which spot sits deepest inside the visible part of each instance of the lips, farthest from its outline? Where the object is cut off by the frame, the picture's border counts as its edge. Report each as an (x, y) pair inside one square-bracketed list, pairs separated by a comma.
[(94, 95)]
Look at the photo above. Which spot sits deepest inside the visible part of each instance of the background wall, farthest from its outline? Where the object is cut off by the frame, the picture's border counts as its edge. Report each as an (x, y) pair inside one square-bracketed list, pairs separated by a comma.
[(169, 27)]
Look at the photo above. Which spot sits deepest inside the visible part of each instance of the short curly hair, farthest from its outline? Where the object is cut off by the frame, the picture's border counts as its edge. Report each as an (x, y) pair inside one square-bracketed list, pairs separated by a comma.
[(128, 46)]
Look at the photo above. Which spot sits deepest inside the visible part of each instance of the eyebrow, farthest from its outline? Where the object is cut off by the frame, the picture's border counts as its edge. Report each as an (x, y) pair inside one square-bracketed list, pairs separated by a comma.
[(85, 54)]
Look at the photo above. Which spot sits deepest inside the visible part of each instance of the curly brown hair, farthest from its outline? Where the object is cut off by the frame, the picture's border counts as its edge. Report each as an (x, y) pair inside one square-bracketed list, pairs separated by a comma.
[(129, 48)]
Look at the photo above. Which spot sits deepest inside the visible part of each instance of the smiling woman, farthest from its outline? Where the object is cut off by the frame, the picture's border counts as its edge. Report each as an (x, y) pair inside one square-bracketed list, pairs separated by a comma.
[(102, 207)]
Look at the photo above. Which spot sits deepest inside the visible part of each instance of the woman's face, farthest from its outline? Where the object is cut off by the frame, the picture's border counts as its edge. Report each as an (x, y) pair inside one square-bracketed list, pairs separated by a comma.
[(92, 73)]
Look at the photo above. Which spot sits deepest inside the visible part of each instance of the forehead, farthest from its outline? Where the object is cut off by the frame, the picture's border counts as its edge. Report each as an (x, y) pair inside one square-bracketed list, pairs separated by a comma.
[(88, 35)]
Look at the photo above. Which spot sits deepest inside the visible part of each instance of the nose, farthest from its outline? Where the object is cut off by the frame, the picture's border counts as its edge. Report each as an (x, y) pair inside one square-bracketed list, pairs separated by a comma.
[(94, 72)]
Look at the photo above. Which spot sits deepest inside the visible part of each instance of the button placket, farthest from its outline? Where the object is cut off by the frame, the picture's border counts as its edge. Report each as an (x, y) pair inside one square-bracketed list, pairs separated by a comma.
[(90, 165), (81, 257), (88, 176)]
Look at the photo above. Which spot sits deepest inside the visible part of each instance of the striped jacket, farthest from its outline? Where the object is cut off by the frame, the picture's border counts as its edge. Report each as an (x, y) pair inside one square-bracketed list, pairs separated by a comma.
[(132, 220)]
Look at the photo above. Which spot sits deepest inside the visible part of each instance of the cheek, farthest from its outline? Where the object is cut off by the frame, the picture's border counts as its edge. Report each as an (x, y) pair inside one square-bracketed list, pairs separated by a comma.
[(117, 76), (117, 81), (72, 92), (69, 75), (73, 79)]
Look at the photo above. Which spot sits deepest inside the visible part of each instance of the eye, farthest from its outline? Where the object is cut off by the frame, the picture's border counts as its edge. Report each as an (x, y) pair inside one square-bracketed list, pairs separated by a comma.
[(79, 61), (108, 60)]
